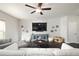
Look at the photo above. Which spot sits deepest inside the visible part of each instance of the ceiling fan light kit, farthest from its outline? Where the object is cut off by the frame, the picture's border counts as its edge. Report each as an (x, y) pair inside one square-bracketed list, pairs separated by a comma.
[(38, 10)]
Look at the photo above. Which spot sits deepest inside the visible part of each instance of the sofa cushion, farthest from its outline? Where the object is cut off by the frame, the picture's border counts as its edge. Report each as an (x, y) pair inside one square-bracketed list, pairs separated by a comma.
[(5, 45), (14, 46), (68, 52), (3, 41), (40, 51), (66, 46), (75, 45), (12, 53)]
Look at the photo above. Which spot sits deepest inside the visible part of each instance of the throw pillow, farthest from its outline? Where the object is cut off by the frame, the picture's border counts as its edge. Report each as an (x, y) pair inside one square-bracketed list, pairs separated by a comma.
[(66, 46)]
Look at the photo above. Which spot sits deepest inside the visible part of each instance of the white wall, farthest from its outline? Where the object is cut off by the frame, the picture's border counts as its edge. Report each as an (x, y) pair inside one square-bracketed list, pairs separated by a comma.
[(69, 30), (61, 21), (73, 29), (11, 26), (50, 22), (63, 27)]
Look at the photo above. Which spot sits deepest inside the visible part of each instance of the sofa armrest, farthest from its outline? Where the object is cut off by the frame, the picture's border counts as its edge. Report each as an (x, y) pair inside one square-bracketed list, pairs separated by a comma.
[(5, 45)]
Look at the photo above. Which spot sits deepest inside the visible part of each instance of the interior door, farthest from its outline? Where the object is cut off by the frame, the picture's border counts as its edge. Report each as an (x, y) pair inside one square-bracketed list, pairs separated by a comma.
[(73, 31)]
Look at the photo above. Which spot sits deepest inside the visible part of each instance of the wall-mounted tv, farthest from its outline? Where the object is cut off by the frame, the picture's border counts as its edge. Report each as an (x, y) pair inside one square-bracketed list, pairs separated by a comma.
[(39, 27)]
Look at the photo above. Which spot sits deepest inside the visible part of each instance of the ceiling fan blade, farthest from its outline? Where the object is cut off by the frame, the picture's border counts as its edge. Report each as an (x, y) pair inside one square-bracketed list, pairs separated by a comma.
[(33, 12), (41, 13), (46, 8), (39, 4), (30, 6)]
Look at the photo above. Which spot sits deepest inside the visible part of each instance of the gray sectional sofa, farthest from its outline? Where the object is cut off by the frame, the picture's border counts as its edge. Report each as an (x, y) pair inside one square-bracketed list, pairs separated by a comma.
[(13, 50), (5, 42), (40, 52)]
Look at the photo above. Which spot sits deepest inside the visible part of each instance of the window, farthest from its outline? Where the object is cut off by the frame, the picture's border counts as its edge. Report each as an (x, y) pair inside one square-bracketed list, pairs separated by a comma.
[(2, 29)]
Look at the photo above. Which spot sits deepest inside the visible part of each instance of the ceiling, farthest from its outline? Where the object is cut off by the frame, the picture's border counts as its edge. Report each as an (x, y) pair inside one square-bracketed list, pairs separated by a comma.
[(19, 10)]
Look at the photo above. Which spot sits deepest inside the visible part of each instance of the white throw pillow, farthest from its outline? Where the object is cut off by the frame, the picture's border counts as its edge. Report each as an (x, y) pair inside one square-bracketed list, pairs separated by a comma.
[(50, 38), (66, 46), (14, 46)]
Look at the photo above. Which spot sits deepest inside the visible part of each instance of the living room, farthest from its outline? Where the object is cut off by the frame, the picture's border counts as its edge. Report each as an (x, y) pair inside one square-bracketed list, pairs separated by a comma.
[(59, 22)]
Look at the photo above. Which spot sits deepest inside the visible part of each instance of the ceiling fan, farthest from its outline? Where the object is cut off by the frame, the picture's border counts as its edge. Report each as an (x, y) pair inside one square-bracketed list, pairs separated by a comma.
[(38, 8)]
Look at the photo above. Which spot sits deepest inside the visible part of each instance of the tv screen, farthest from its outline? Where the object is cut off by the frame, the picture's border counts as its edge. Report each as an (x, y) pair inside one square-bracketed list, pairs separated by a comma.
[(39, 26)]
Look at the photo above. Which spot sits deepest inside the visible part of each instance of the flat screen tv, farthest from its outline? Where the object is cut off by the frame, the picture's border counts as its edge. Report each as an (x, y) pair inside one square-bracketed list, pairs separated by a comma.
[(39, 27)]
